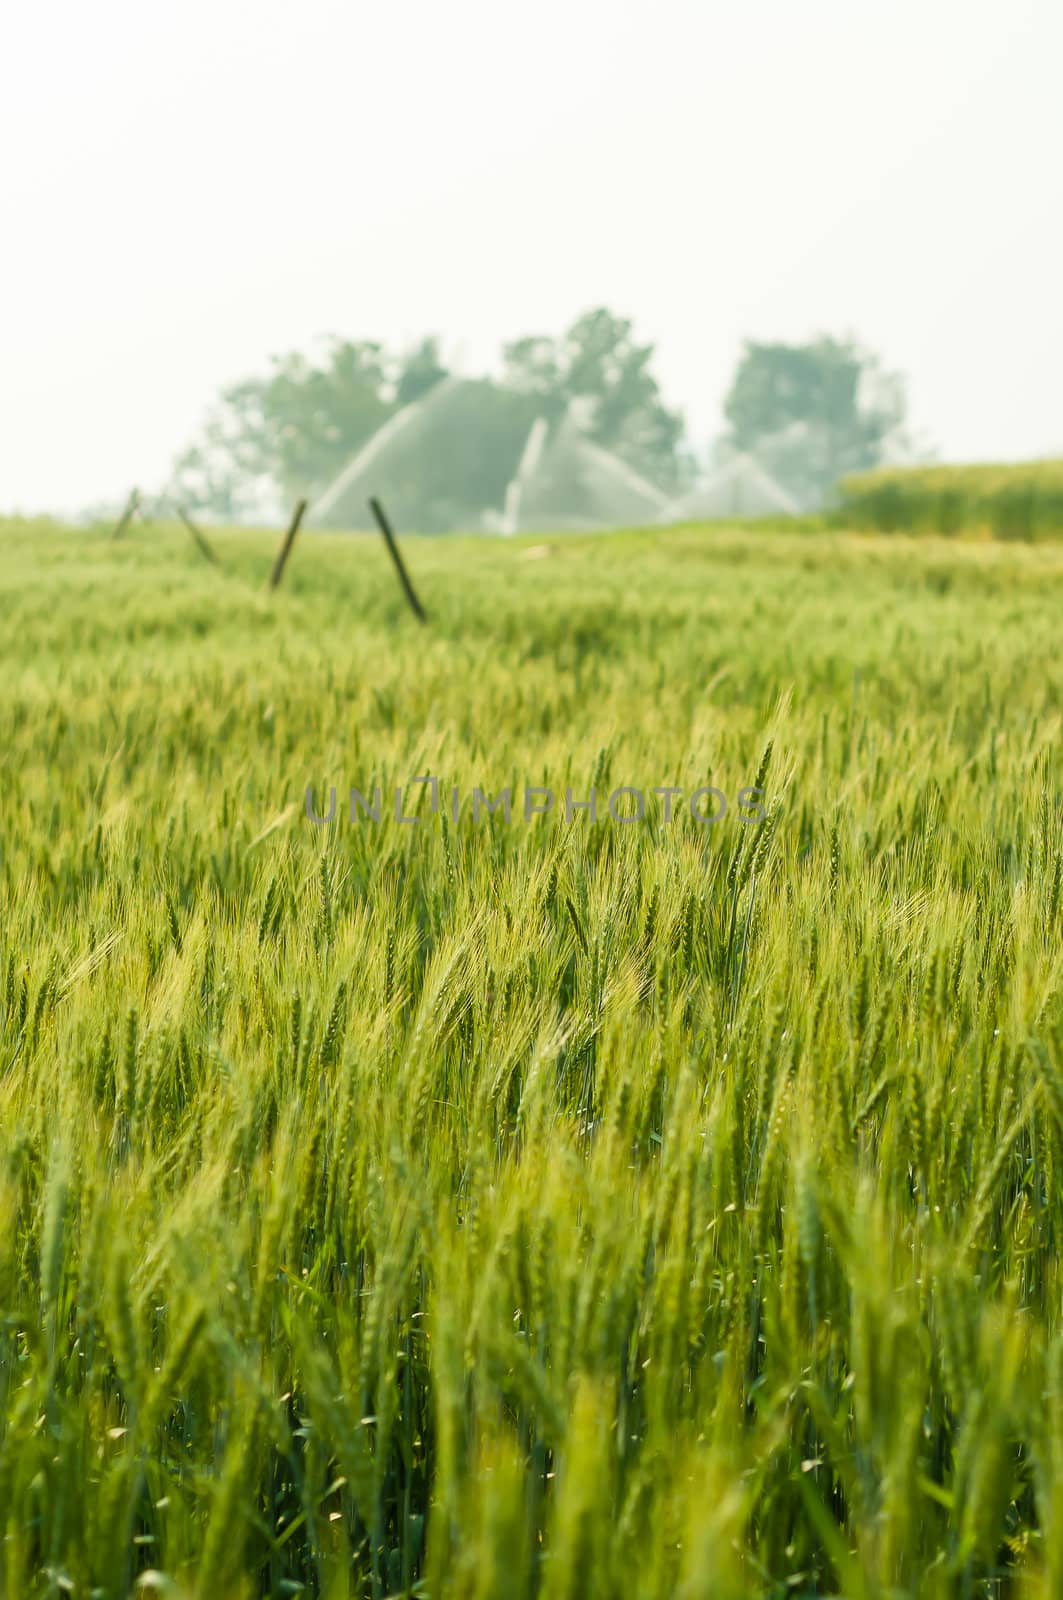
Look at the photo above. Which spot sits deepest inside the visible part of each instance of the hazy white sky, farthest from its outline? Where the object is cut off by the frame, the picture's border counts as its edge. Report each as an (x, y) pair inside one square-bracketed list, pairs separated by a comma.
[(188, 188)]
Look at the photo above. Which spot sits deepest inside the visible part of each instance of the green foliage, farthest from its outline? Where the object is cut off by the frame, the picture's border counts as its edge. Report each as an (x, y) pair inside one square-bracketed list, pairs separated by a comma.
[(1024, 501), (812, 413), (421, 370), (292, 432), (598, 361), (533, 1209)]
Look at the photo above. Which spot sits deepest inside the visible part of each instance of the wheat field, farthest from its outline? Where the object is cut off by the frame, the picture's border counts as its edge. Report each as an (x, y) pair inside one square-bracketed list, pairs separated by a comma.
[(1014, 501), (556, 1207)]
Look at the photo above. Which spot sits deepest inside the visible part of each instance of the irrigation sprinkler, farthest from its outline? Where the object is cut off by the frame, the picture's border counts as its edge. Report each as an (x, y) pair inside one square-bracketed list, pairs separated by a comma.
[(404, 578), (286, 548)]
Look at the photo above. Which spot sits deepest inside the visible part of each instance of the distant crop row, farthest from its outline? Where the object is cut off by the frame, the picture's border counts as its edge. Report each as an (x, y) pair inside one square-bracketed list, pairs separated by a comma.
[(1024, 501)]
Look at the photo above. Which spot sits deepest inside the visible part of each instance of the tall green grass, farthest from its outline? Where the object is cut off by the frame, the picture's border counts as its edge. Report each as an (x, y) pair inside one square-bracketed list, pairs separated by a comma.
[(543, 1209), (1006, 502)]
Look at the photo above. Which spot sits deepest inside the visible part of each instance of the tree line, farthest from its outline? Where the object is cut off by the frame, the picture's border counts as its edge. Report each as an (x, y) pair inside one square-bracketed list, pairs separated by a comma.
[(810, 413)]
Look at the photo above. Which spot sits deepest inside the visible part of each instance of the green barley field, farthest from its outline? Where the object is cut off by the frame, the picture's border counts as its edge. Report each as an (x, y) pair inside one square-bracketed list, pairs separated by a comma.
[(556, 1207)]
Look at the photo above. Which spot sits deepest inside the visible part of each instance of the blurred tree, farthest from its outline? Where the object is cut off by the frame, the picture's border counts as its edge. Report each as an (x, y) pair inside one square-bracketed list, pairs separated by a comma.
[(419, 370), (297, 427), (598, 361), (292, 431), (317, 416), (226, 472), (812, 413)]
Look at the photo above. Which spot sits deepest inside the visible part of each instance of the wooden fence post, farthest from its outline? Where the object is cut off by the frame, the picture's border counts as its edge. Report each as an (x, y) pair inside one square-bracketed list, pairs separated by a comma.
[(385, 527), (286, 548)]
